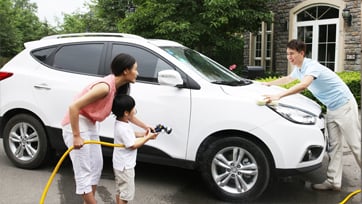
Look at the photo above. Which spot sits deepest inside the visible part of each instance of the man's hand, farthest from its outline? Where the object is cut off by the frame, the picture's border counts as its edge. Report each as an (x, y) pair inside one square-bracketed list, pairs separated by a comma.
[(270, 98), (266, 83)]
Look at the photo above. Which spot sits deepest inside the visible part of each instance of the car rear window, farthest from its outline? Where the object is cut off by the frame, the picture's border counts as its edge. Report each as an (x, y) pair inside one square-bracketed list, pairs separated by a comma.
[(80, 58)]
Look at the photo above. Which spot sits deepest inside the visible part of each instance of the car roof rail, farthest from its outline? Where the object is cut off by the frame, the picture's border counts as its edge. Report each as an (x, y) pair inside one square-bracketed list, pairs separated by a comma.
[(126, 35)]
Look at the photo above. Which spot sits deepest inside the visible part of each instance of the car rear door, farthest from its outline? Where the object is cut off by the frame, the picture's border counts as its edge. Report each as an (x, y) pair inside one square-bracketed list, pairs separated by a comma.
[(63, 74)]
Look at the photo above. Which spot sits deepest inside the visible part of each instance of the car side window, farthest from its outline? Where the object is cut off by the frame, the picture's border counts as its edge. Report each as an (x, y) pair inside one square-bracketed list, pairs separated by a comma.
[(148, 63), (80, 58), (43, 54)]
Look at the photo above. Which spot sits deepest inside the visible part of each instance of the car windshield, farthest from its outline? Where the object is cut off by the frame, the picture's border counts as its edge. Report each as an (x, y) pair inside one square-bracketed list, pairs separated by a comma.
[(206, 67)]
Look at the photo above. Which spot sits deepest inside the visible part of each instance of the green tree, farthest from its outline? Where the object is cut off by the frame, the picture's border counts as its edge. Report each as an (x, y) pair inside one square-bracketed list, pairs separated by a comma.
[(8, 32), (110, 12), (27, 22), (87, 22), (74, 23), (19, 24), (213, 27), (102, 16)]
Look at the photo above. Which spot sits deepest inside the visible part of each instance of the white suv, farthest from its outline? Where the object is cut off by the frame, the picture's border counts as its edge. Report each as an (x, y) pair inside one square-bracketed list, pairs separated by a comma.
[(218, 128)]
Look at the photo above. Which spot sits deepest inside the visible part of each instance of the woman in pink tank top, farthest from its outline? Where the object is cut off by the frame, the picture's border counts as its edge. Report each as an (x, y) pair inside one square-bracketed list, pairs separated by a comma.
[(93, 105)]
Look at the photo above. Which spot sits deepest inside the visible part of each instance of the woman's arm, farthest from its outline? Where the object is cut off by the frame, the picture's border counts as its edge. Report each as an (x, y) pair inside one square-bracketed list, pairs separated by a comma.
[(141, 124), (97, 92)]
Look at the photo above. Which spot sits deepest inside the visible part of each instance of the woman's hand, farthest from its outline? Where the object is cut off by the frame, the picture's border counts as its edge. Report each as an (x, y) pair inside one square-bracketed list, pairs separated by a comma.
[(78, 142), (149, 128)]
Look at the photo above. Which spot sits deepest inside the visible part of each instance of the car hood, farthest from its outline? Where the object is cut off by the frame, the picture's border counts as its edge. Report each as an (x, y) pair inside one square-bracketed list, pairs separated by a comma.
[(256, 90)]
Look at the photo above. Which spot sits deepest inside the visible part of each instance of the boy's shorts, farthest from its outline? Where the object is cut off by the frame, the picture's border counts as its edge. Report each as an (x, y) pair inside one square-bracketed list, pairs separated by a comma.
[(125, 185)]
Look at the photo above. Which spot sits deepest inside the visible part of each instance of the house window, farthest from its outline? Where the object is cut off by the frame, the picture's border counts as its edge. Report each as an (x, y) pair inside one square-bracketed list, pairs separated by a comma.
[(262, 46), (258, 49), (317, 27)]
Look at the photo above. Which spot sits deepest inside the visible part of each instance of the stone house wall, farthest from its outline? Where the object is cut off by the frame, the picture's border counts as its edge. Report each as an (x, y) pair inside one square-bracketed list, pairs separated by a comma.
[(350, 35)]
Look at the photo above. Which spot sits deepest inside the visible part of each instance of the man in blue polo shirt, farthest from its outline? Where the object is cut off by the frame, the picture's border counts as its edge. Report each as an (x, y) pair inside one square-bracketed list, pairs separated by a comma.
[(342, 109)]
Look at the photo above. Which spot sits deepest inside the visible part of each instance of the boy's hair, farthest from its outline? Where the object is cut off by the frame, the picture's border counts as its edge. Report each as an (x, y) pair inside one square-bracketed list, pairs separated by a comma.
[(121, 104), (297, 45)]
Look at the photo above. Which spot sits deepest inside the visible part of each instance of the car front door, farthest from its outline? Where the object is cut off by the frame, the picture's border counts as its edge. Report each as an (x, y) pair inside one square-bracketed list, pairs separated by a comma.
[(157, 104)]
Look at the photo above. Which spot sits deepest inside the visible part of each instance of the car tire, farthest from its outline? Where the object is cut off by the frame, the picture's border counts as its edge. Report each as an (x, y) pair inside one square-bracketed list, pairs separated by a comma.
[(25, 141), (234, 161)]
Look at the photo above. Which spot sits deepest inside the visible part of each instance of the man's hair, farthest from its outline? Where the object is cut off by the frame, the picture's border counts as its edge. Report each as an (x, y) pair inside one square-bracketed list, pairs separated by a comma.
[(121, 104), (297, 45)]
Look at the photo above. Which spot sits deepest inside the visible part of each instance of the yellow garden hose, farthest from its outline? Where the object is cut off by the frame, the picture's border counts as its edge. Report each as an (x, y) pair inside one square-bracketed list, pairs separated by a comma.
[(50, 180), (45, 191), (350, 196)]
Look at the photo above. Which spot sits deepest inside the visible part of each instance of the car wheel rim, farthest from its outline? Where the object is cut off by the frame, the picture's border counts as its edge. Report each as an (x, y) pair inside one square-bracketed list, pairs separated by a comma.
[(24, 141), (234, 170)]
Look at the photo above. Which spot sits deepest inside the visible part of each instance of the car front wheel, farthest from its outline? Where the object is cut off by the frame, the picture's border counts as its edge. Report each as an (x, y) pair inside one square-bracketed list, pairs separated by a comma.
[(25, 141), (235, 169)]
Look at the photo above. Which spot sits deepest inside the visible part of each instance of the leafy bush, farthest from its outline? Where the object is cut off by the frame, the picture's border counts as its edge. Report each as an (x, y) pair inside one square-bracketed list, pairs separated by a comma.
[(3, 60), (352, 79)]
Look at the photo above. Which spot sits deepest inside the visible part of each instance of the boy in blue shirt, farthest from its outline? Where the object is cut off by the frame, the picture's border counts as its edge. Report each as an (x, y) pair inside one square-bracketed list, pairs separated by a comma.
[(342, 109)]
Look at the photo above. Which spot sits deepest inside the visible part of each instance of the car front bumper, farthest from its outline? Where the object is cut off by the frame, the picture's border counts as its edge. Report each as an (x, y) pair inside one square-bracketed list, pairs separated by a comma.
[(294, 146)]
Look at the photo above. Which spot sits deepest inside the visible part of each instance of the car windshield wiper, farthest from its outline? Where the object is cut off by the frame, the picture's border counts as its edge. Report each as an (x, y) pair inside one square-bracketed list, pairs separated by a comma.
[(234, 83)]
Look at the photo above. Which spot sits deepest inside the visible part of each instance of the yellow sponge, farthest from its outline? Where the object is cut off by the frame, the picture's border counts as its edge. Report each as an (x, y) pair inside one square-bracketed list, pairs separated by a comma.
[(262, 101)]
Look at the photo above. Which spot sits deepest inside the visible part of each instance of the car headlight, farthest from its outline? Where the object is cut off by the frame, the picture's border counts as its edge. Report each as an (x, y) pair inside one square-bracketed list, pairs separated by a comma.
[(294, 114)]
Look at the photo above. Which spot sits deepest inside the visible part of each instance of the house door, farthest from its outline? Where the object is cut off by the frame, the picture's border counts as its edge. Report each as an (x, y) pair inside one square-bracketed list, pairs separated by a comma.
[(317, 27)]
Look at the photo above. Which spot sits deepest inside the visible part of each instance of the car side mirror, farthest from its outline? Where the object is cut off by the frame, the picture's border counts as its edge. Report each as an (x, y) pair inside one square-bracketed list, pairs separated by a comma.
[(170, 78)]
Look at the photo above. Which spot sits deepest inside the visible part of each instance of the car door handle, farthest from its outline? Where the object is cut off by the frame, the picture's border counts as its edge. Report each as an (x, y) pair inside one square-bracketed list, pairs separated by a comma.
[(42, 86)]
